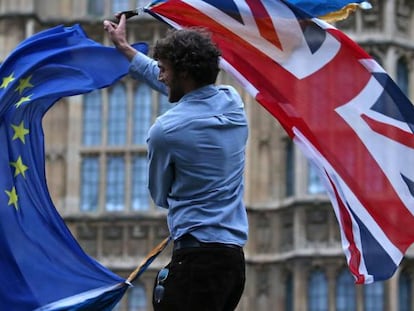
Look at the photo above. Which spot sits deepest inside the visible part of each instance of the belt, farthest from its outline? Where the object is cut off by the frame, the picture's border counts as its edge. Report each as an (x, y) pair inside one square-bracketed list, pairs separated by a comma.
[(188, 241)]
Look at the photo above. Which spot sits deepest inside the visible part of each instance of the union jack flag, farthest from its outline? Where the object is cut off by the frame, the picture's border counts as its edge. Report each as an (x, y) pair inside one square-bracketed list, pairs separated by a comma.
[(336, 103)]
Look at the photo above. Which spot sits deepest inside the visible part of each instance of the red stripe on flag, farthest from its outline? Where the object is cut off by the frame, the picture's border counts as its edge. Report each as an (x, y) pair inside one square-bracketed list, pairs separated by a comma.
[(346, 224), (264, 22), (392, 132)]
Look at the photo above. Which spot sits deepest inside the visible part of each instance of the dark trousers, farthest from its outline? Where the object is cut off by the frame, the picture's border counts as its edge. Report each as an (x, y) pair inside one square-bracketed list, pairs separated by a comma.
[(202, 279)]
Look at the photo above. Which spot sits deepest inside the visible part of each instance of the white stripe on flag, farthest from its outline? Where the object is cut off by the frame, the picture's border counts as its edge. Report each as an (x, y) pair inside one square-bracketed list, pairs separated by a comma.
[(347, 195), (79, 298)]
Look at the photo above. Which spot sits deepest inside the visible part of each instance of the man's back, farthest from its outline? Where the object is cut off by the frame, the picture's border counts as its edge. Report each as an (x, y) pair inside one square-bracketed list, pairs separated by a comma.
[(203, 141)]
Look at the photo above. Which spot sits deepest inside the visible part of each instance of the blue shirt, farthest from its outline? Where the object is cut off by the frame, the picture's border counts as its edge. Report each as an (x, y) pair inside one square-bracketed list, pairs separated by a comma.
[(196, 154)]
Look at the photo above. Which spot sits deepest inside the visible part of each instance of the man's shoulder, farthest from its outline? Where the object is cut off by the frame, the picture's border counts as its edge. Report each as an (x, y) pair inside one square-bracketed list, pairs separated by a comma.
[(169, 119), (232, 94)]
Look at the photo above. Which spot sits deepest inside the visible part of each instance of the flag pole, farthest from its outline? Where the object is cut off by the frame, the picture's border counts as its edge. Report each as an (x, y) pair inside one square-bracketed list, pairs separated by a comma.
[(148, 260)]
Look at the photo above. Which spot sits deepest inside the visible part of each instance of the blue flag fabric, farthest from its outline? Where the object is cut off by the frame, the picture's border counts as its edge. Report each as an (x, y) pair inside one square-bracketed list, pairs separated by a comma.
[(42, 266), (322, 7)]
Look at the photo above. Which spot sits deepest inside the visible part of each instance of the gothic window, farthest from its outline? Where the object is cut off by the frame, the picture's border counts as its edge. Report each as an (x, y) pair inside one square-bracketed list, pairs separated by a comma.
[(315, 185), (117, 116), (139, 183), (290, 168), (289, 298), (373, 297), (142, 113), (404, 292), (115, 188), (345, 292), (403, 75), (318, 291), (92, 120), (90, 184), (113, 172)]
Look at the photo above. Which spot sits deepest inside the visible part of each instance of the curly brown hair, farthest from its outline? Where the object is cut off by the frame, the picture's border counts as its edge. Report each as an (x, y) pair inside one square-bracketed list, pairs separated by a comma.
[(190, 50)]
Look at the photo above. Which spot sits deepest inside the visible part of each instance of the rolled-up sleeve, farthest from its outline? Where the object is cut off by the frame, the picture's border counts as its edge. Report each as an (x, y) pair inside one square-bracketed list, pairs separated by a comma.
[(161, 167), (146, 69)]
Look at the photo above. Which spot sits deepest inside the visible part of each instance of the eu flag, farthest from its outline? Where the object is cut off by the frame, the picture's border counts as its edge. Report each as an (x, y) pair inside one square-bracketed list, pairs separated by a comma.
[(42, 266)]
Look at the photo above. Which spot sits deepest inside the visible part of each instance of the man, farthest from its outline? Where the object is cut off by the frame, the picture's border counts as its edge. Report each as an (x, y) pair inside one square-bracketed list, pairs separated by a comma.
[(196, 154)]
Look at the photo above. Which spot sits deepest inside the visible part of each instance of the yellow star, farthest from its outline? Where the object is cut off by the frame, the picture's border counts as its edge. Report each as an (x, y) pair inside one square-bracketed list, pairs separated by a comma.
[(13, 197), (19, 166), (23, 84), (6, 81), (23, 100), (20, 131)]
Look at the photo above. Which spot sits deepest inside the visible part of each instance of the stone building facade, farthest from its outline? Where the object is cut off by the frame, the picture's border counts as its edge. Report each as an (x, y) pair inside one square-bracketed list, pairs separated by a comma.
[(95, 162)]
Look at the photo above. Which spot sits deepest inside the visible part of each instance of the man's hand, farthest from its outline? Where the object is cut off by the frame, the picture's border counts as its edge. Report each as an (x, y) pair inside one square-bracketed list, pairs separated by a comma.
[(117, 34)]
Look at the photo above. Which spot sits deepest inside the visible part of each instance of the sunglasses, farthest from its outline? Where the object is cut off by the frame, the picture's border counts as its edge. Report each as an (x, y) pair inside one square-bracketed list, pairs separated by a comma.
[(159, 288)]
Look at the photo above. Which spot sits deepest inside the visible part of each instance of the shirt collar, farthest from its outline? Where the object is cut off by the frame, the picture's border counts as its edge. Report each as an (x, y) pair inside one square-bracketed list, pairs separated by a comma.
[(200, 93)]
